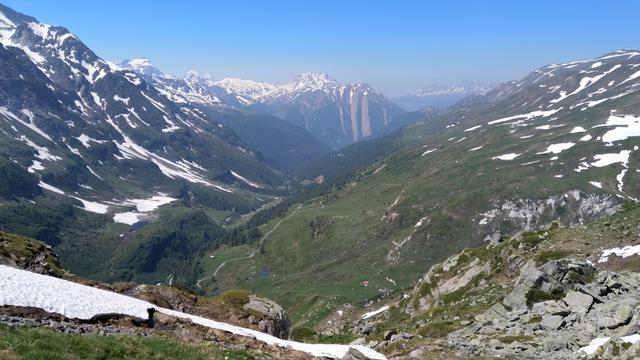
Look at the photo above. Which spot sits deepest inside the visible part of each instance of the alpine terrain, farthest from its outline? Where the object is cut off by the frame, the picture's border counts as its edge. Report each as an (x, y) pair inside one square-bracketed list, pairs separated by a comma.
[(149, 215)]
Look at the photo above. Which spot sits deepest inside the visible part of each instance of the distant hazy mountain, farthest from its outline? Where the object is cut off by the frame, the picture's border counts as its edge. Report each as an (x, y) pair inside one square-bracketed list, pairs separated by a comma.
[(337, 114), (441, 96), (282, 144)]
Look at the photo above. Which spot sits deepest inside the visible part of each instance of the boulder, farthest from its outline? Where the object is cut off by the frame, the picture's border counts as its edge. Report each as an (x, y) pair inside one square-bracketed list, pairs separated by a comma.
[(551, 322), (623, 314), (368, 329), (578, 302), (269, 317), (354, 354), (554, 344), (517, 299), (550, 307), (388, 334), (497, 311)]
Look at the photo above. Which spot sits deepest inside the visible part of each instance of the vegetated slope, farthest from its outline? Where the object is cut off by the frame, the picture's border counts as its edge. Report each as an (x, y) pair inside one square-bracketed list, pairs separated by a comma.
[(561, 293), (281, 144), (559, 144), (89, 149)]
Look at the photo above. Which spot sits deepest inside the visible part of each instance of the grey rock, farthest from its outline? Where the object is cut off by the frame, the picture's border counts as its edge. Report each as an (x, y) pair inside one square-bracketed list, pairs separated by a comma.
[(368, 329), (359, 341), (388, 334), (550, 307), (551, 322), (517, 299), (271, 317), (623, 315), (354, 354), (554, 344), (494, 239), (497, 311), (578, 302), (496, 344), (593, 294)]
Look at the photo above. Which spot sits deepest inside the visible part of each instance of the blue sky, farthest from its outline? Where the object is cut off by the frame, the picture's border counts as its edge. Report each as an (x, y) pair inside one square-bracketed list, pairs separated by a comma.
[(396, 46)]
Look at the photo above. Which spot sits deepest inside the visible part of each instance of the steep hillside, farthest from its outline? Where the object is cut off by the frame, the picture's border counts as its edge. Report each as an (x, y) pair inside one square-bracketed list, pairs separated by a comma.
[(90, 151), (561, 293), (558, 145)]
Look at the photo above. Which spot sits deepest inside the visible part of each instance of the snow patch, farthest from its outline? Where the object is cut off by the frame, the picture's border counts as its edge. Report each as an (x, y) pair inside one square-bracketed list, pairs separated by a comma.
[(506, 157), (624, 252), (375, 312), (27, 289)]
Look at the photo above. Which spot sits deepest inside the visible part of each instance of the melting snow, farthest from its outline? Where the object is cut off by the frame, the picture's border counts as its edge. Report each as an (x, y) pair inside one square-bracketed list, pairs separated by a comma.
[(245, 180), (557, 148), (428, 152), (596, 184), (624, 252), (50, 188), (577, 129), (525, 117), (507, 157), (603, 160), (595, 344), (626, 126), (35, 165), (473, 128), (143, 207), (93, 207), (376, 312), (26, 289), (4, 111)]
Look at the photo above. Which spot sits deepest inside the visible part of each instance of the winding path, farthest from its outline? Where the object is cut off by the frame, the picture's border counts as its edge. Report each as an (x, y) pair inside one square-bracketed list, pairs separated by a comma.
[(253, 253)]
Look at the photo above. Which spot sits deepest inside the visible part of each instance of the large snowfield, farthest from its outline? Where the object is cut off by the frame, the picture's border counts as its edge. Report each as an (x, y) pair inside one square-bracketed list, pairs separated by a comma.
[(27, 289)]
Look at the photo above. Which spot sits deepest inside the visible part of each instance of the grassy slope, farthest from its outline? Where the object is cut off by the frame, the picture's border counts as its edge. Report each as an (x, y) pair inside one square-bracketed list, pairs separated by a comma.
[(40, 343), (450, 186)]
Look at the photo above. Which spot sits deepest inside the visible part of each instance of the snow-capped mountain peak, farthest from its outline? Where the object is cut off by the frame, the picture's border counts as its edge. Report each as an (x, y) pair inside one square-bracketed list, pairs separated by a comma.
[(248, 88), (463, 88), (310, 81), (144, 67), (440, 95)]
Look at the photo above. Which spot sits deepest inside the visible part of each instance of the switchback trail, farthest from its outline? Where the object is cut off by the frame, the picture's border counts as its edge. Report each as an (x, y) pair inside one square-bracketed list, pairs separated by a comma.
[(253, 253)]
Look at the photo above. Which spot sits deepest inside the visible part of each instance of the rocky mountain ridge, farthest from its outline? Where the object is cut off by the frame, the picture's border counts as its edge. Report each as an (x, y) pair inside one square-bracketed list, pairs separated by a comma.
[(336, 113)]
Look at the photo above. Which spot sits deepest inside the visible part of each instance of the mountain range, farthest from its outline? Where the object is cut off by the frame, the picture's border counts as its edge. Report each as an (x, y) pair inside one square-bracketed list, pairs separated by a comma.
[(560, 144), (359, 218), (337, 114), (440, 96)]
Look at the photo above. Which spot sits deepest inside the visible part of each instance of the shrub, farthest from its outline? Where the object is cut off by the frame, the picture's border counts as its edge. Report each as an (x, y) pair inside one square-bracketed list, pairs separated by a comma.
[(236, 297)]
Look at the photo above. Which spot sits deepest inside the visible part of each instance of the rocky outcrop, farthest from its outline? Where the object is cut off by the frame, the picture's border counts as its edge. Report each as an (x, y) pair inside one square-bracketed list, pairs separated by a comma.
[(571, 208), (25, 253), (555, 312), (268, 316), (248, 310)]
